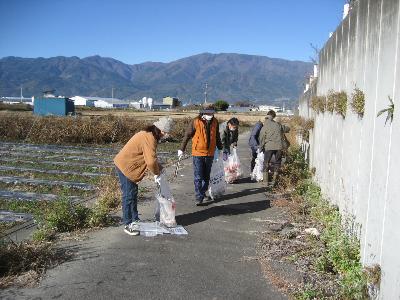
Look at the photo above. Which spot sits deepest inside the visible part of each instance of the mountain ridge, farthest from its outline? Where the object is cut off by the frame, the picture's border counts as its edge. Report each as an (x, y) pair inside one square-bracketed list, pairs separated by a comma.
[(230, 76)]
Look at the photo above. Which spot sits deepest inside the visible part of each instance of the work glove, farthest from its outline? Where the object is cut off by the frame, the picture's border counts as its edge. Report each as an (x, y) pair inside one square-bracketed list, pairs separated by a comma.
[(225, 156), (180, 154), (157, 179)]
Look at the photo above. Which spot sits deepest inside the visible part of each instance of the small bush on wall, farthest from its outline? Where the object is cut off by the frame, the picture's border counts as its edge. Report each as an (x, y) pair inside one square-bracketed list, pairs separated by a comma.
[(330, 101), (318, 104), (358, 102), (341, 103)]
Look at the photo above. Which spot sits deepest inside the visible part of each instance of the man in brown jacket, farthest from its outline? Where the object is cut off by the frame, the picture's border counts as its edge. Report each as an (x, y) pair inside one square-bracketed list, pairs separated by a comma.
[(272, 142), (137, 156), (204, 132)]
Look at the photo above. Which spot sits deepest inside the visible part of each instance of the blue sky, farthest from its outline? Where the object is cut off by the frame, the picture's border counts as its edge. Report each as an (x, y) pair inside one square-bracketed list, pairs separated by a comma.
[(135, 31)]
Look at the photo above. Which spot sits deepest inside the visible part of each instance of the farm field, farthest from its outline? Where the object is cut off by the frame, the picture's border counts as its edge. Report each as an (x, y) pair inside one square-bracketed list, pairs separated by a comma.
[(32, 175)]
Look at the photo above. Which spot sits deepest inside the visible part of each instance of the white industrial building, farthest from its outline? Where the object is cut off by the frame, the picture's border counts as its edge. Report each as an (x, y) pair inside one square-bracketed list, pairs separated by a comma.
[(100, 102), (269, 107), (16, 100)]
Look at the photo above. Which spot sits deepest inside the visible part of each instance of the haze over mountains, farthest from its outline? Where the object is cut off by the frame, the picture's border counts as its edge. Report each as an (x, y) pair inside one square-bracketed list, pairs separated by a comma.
[(231, 77)]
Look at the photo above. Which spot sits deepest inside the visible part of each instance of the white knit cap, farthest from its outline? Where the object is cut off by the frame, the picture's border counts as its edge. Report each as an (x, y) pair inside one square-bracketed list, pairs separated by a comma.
[(164, 124)]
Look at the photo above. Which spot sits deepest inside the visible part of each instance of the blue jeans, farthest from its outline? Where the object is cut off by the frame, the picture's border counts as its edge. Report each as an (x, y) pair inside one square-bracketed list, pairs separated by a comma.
[(202, 169), (129, 198)]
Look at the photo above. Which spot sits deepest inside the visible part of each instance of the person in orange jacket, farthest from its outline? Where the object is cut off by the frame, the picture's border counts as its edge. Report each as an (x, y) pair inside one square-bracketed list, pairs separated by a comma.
[(131, 163), (204, 132)]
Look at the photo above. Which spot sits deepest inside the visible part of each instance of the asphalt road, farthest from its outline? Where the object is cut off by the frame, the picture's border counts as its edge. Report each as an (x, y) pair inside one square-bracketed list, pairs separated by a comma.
[(216, 260)]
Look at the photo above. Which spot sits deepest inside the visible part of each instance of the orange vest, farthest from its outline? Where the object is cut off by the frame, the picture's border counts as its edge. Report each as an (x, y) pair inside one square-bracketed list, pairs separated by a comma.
[(199, 140)]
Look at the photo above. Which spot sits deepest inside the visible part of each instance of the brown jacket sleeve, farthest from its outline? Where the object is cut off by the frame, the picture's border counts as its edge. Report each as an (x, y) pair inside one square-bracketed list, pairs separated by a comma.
[(190, 130), (150, 156)]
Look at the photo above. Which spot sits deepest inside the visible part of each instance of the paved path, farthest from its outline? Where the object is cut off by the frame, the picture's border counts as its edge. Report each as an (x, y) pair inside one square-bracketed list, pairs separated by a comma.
[(213, 262)]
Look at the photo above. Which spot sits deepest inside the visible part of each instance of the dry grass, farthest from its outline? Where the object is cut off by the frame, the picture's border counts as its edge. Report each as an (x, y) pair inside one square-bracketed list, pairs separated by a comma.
[(22, 264), (16, 107), (91, 129)]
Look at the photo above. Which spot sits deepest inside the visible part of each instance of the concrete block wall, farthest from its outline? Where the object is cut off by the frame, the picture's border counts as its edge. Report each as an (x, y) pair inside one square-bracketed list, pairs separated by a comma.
[(357, 159)]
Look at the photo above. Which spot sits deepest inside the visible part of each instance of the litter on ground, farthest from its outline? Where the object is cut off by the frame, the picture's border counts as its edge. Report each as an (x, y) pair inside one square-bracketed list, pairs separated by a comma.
[(154, 229)]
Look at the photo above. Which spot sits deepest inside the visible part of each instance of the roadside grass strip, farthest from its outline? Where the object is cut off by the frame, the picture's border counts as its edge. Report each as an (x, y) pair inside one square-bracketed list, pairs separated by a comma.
[(18, 180), (30, 196)]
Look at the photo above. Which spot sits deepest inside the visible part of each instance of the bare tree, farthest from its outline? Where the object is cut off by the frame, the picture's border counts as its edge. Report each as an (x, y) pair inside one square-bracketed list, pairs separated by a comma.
[(315, 57)]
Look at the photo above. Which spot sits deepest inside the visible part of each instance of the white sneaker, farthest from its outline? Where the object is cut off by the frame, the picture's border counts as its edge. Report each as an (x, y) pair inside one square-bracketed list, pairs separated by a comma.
[(132, 229)]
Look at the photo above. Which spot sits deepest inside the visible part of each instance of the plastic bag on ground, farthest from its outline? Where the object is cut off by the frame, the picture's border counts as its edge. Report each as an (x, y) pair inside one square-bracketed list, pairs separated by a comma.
[(217, 184), (232, 167), (165, 206), (257, 173)]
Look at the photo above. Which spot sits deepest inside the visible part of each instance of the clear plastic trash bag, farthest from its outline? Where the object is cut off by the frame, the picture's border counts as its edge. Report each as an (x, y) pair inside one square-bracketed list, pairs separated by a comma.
[(257, 173), (217, 184), (165, 204), (232, 167)]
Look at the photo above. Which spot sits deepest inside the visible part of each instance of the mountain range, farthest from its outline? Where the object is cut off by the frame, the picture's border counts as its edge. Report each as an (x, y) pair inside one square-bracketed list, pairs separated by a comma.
[(231, 77)]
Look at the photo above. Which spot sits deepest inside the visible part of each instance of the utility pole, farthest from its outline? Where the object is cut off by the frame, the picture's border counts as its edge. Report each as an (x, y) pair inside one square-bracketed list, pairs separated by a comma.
[(112, 96), (21, 94), (205, 93)]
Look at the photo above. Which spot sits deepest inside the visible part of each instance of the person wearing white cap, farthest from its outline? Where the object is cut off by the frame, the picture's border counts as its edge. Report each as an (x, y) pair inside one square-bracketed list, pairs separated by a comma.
[(137, 156)]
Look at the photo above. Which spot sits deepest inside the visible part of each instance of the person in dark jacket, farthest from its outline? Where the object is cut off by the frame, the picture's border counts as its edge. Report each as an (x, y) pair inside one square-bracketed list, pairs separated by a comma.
[(254, 143), (229, 136), (272, 143)]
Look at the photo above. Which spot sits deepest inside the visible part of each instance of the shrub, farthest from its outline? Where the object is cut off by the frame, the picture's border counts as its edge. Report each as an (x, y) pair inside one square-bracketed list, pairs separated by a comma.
[(358, 102), (294, 170), (341, 103), (221, 105), (99, 216), (318, 104), (110, 193), (63, 216), (330, 102)]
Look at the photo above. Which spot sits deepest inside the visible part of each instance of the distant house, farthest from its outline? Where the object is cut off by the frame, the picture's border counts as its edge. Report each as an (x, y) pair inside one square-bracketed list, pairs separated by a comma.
[(172, 102)]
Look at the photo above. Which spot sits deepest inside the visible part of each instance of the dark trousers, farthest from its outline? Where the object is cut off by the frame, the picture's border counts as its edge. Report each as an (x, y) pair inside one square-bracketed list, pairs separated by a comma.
[(276, 164), (129, 198), (202, 169), (253, 158)]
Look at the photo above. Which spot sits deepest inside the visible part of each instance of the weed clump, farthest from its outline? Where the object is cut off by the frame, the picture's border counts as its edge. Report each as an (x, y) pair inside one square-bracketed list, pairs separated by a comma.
[(358, 102), (330, 102), (341, 103)]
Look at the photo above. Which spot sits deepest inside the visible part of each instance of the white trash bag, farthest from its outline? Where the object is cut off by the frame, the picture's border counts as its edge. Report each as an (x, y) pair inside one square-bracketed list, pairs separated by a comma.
[(232, 167), (217, 184), (165, 206), (257, 173)]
